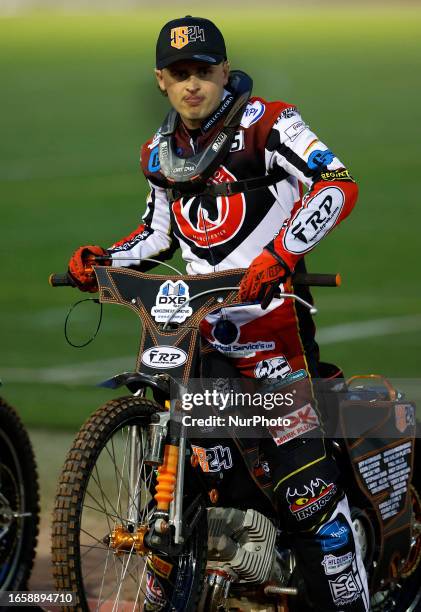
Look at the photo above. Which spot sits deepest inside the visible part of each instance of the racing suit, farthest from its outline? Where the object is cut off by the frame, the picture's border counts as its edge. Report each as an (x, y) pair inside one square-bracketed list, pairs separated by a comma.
[(228, 232)]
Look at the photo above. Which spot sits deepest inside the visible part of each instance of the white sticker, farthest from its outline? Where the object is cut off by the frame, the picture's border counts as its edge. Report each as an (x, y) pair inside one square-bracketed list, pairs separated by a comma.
[(171, 295), (276, 367), (254, 111), (313, 222), (164, 357), (333, 564)]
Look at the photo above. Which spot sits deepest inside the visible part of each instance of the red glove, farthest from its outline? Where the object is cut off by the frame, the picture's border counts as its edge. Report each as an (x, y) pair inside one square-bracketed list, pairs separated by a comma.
[(262, 279), (81, 266)]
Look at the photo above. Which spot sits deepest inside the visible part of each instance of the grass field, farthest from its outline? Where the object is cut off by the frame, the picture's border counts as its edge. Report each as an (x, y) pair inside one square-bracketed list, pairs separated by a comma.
[(77, 100)]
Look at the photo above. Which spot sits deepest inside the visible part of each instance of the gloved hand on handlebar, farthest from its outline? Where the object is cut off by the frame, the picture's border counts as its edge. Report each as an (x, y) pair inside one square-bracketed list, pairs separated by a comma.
[(81, 266), (262, 278)]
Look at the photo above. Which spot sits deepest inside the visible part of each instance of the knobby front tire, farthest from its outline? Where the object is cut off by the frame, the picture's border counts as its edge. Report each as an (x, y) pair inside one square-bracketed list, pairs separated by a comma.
[(92, 501)]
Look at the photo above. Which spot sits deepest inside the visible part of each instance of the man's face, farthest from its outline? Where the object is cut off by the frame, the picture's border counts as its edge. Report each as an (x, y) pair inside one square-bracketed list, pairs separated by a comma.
[(194, 88)]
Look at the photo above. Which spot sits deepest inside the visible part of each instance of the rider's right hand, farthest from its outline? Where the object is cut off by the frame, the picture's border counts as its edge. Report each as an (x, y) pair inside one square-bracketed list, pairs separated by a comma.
[(81, 266)]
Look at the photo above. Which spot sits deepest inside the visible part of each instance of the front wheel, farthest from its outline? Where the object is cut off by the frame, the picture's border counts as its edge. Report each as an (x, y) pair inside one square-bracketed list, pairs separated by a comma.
[(94, 510)]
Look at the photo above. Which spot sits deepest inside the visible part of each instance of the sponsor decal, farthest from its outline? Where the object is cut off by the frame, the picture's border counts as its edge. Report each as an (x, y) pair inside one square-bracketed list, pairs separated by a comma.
[(320, 159), (289, 112), (218, 113), (205, 224), (313, 222), (295, 130), (164, 357), (127, 245), (213, 459), (248, 349), (404, 417), (187, 168), (219, 141), (345, 589), (276, 367), (334, 565), (154, 591), (155, 140), (311, 499), (388, 473), (160, 567), (238, 142), (334, 535), (154, 164), (302, 421), (336, 175), (253, 112), (183, 35), (171, 295)]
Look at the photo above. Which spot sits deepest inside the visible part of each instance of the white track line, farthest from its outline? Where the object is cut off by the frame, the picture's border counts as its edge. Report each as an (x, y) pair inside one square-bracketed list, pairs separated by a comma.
[(95, 371), (368, 329)]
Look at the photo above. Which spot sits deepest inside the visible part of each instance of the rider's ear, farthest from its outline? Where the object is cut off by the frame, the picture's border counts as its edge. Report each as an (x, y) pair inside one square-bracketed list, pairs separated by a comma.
[(160, 80), (226, 68)]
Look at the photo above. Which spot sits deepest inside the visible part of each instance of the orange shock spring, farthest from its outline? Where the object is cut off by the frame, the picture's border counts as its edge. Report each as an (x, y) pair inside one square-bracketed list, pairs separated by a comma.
[(166, 478)]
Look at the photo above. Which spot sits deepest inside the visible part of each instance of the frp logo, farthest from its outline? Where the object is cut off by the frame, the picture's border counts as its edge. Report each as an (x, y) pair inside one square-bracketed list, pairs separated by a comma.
[(182, 36), (164, 357), (314, 220), (171, 296)]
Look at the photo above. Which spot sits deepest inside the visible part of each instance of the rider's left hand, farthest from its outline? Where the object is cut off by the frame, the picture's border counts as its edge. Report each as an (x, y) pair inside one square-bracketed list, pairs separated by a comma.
[(262, 278)]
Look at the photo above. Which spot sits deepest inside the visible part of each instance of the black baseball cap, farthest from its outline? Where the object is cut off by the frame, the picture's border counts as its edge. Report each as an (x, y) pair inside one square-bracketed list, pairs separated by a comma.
[(191, 38)]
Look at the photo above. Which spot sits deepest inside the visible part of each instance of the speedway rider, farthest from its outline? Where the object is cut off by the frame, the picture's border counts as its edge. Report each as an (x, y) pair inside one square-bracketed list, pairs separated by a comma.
[(226, 173)]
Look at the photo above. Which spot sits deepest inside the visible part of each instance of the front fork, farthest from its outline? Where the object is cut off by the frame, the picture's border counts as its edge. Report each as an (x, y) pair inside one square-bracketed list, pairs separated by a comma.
[(152, 449)]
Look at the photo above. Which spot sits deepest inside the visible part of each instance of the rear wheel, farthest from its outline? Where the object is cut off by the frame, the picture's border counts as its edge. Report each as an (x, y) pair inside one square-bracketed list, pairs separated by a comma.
[(94, 512), (19, 502)]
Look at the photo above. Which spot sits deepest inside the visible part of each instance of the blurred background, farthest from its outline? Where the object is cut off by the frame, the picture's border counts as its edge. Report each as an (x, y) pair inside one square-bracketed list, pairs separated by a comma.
[(78, 98)]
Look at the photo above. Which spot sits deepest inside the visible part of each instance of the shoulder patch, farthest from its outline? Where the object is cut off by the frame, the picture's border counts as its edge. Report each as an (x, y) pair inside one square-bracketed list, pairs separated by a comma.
[(155, 140), (253, 112)]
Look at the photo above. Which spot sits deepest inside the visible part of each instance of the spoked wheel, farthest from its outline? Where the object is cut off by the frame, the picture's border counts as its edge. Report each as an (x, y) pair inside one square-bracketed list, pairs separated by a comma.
[(19, 502), (405, 596), (102, 513)]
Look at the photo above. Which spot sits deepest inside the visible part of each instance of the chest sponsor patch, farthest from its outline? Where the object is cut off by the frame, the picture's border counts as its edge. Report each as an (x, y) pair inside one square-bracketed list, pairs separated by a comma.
[(313, 222), (208, 222), (254, 111)]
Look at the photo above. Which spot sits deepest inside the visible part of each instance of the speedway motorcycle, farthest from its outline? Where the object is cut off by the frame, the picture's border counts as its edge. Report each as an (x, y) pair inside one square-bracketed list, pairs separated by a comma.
[(141, 509)]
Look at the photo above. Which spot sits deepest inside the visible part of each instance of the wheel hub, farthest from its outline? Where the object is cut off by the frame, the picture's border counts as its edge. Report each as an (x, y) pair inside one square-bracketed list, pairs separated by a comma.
[(122, 540)]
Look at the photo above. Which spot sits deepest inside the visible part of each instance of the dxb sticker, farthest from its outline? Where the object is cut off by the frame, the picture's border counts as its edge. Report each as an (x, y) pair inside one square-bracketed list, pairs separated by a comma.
[(183, 35), (171, 296)]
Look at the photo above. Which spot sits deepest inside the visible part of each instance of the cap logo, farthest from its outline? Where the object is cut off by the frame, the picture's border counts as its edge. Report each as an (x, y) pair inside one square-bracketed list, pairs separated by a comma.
[(182, 36)]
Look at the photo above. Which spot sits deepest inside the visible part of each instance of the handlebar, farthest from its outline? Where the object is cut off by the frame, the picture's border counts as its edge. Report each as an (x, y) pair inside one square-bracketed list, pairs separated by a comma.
[(309, 280), (61, 279)]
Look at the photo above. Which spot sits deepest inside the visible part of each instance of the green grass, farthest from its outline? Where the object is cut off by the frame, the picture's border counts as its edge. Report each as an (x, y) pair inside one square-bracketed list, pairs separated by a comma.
[(77, 100)]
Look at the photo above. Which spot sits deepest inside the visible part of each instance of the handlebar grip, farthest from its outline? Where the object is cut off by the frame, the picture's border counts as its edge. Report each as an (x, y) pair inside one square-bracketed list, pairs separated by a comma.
[(317, 280), (62, 279)]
